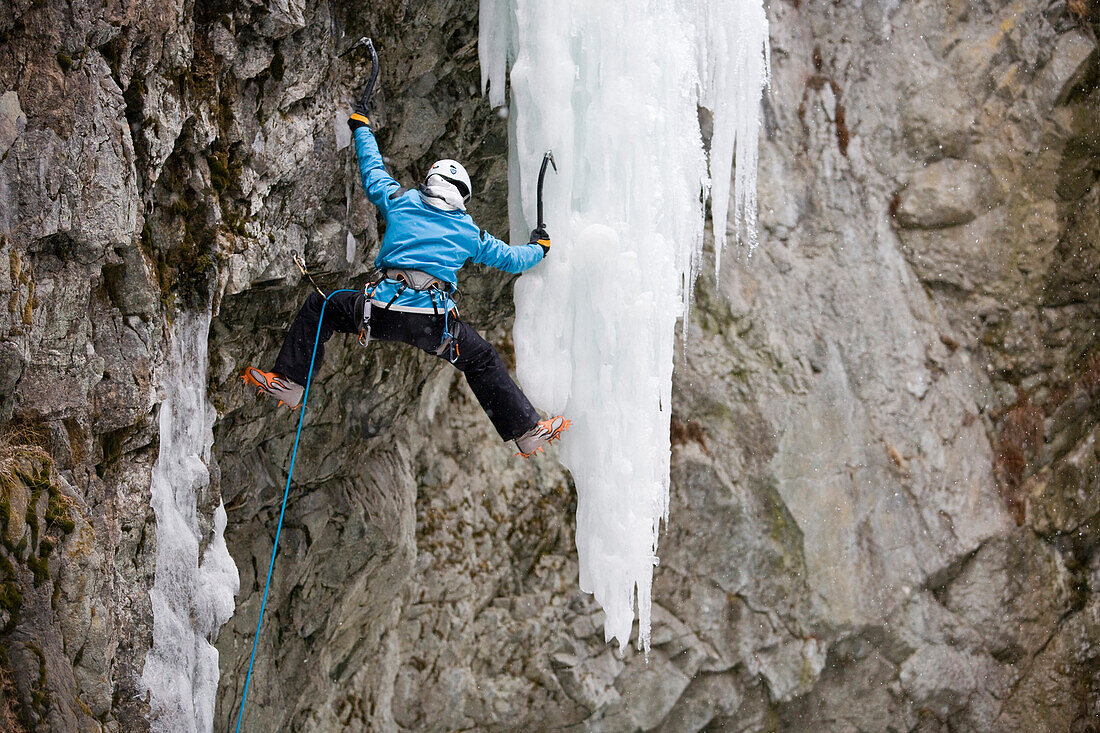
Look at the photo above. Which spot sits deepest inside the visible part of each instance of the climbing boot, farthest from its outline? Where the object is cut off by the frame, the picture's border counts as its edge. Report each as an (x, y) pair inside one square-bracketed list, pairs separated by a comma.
[(546, 431), (287, 391)]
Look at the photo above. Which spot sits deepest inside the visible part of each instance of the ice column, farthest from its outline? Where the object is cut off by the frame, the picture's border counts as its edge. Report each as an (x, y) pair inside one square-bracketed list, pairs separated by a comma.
[(192, 597), (614, 89)]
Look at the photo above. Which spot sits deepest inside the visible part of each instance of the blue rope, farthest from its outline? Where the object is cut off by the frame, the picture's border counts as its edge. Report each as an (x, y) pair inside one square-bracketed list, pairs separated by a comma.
[(286, 492)]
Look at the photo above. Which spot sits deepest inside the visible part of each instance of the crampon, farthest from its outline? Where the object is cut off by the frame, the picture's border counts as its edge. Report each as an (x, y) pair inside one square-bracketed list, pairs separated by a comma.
[(286, 391), (544, 433)]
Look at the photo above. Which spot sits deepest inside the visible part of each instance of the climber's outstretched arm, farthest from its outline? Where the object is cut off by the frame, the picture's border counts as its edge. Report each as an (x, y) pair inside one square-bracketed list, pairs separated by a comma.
[(495, 253), (377, 182)]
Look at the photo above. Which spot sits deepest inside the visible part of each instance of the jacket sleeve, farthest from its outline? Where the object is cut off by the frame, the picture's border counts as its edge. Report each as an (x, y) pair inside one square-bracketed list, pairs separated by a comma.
[(495, 253), (376, 181)]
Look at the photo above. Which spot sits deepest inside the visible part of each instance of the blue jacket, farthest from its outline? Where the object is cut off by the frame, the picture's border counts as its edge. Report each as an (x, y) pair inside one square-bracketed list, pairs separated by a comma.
[(421, 237)]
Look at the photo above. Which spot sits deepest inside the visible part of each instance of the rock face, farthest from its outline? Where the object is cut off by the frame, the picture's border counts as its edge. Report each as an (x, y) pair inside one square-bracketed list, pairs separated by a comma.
[(886, 493)]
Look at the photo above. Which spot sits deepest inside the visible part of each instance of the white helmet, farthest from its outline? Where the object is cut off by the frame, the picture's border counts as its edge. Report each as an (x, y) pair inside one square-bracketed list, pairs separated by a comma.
[(453, 171)]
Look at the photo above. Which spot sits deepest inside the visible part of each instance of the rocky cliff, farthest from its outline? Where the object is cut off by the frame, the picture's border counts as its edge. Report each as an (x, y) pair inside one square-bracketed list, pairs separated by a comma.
[(886, 490)]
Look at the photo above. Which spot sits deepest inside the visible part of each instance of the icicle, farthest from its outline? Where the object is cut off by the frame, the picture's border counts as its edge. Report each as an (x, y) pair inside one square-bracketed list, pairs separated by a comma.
[(614, 89), (494, 21), (731, 90), (191, 599), (351, 245)]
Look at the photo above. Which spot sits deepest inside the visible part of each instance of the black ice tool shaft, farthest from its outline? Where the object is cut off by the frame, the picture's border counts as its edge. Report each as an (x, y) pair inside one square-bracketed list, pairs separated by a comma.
[(364, 101), (548, 158)]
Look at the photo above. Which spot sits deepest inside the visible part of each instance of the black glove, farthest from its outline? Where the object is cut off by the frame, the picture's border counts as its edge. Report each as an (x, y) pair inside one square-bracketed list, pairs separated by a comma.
[(542, 239), (357, 120)]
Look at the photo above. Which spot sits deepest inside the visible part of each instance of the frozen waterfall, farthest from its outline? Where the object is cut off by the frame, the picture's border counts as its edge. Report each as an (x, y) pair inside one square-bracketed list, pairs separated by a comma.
[(191, 598), (615, 90)]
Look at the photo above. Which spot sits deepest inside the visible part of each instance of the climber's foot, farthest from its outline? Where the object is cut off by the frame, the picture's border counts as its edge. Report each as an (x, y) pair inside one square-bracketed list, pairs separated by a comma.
[(285, 390), (544, 433)]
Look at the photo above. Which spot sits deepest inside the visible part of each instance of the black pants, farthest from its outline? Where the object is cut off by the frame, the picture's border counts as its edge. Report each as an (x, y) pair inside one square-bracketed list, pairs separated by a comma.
[(509, 409)]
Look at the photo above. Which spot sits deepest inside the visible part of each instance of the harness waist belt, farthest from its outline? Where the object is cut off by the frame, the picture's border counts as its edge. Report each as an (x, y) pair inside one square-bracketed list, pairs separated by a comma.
[(416, 279)]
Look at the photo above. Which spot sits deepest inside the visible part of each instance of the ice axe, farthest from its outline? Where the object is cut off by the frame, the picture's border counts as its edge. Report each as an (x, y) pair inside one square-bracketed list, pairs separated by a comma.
[(548, 158), (364, 101)]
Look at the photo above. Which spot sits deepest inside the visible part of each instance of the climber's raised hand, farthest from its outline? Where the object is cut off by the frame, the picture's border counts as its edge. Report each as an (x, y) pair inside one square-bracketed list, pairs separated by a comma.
[(541, 238)]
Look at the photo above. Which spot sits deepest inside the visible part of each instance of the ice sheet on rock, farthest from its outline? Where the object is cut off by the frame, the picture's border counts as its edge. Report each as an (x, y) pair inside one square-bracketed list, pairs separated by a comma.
[(614, 89), (350, 247), (192, 597), (341, 130)]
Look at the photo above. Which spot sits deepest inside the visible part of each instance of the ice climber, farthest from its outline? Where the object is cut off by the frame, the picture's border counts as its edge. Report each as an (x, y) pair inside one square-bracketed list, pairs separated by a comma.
[(429, 237)]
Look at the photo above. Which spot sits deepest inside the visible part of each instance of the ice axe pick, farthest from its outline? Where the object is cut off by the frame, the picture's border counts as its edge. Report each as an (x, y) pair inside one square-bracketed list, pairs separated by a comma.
[(364, 101), (548, 158)]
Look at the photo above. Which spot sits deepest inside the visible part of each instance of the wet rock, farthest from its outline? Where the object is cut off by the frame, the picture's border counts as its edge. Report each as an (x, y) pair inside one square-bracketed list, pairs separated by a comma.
[(1073, 57), (944, 194), (1067, 498), (12, 121), (938, 120), (1059, 691), (589, 682), (649, 691), (1012, 592), (944, 679), (11, 369), (707, 697)]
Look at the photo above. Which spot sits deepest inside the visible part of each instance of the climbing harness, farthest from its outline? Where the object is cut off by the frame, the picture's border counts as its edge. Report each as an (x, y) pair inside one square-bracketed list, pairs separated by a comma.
[(282, 510), (437, 291)]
